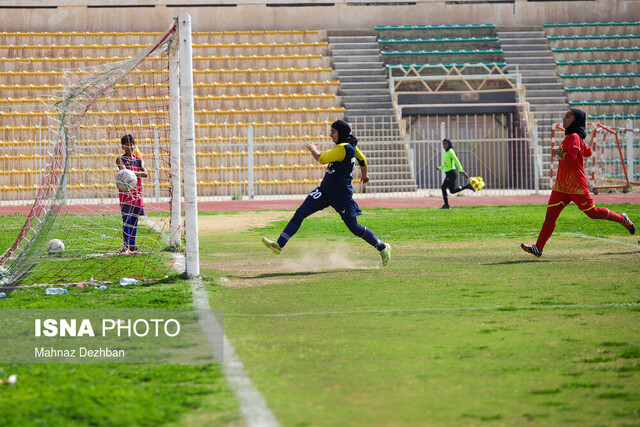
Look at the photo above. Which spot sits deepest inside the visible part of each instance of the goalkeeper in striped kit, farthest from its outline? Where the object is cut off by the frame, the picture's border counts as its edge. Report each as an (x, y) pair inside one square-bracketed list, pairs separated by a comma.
[(571, 183), (131, 203), (335, 190)]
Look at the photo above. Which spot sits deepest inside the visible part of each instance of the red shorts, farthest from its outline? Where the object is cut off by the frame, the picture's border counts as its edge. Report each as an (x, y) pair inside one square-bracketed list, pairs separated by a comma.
[(583, 201)]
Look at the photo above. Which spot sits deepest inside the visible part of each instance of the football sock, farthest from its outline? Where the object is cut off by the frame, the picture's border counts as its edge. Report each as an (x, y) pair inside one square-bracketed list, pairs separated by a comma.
[(553, 212), (291, 228), (284, 236), (604, 213), (361, 231), (372, 239)]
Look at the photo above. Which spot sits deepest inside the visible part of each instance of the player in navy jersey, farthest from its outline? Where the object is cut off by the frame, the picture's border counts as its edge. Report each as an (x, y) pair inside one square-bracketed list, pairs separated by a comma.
[(335, 190), (131, 204)]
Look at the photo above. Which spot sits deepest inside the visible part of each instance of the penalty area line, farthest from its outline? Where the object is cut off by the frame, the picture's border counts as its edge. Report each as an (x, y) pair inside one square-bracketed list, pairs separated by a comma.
[(447, 310)]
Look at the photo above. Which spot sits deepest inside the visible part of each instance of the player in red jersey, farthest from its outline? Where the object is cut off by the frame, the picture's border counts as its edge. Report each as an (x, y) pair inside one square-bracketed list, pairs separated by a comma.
[(571, 183), (131, 204)]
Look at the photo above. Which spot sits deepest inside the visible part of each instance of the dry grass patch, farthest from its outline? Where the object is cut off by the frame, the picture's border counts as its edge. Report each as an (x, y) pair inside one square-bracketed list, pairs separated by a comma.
[(237, 222)]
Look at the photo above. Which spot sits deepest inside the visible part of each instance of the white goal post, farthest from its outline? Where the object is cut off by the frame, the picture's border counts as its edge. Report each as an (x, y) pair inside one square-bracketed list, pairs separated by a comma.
[(189, 145)]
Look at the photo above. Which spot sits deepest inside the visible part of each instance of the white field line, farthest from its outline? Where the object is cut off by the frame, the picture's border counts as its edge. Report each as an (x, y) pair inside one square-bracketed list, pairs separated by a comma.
[(155, 227), (252, 404), (584, 236), (447, 310)]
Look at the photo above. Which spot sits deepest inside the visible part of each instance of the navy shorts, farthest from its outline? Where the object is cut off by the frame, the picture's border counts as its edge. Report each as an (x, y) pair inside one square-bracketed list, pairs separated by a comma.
[(319, 199), (127, 209)]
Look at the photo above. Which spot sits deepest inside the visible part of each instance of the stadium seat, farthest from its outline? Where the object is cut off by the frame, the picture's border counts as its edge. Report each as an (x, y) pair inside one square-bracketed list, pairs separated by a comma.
[(591, 24), (279, 82), (442, 52), (439, 40), (432, 27)]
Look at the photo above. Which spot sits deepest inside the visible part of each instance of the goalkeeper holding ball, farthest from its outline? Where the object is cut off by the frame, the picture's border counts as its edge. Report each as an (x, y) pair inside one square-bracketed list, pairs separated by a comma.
[(131, 204), (335, 190)]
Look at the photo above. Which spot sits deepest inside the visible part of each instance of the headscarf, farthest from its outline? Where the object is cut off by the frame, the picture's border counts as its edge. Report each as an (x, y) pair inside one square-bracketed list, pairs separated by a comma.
[(448, 141), (579, 124), (351, 139), (344, 130)]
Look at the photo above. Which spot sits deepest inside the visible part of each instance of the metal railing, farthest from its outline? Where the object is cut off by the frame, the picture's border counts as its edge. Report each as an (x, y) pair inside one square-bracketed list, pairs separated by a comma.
[(489, 145)]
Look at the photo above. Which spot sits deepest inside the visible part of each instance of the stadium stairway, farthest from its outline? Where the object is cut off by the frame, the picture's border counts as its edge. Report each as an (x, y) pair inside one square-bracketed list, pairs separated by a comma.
[(529, 49), (369, 108)]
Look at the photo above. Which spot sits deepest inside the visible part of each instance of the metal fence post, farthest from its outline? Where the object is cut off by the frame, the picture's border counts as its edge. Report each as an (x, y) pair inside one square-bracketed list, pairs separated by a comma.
[(537, 157), (629, 141), (250, 161)]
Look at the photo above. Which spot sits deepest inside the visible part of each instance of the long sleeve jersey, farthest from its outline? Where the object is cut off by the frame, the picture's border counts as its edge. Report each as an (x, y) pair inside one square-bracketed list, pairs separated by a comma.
[(450, 159), (571, 178)]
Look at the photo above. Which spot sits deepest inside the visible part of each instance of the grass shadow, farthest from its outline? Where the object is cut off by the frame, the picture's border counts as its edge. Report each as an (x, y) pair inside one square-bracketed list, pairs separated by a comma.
[(622, 253), (522, 261)]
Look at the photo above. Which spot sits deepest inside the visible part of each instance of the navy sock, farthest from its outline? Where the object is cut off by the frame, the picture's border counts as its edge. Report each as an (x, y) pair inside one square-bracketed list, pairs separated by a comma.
[(373, 240), (288, 232)]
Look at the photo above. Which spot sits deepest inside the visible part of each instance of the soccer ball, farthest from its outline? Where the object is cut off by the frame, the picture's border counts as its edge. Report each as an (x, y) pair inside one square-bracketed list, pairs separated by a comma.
[(477, 182), (126, 180), (55, 246)]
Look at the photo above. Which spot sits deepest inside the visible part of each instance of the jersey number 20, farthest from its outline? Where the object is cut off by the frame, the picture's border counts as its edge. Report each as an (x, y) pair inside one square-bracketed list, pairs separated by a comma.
[(315, 194)]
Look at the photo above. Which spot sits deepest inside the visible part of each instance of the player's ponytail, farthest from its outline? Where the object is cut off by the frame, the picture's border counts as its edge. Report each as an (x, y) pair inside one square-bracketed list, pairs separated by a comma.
[(351, 139)]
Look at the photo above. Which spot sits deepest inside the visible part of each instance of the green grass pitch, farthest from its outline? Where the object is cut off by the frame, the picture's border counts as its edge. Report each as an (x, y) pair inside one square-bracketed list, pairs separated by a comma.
[(461, 328)]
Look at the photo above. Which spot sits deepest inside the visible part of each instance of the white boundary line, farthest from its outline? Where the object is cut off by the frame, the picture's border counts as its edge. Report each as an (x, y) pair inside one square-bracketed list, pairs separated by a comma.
[(252, 404), (584, 236), (447, 310), (155, 227)]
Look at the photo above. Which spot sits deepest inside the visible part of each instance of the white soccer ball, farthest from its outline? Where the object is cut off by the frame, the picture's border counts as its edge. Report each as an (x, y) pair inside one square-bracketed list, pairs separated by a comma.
[(55, 246), (126, 180)]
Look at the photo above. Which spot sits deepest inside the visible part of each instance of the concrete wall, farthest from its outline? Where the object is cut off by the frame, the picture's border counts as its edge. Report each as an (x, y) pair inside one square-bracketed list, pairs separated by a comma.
[(156, 15)]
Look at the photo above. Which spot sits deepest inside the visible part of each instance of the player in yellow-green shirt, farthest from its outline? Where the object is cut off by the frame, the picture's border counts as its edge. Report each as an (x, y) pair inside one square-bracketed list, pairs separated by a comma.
[(450, 163)]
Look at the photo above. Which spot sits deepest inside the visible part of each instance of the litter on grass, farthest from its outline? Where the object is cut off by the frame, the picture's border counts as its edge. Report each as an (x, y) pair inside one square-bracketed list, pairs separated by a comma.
[(10, 381)]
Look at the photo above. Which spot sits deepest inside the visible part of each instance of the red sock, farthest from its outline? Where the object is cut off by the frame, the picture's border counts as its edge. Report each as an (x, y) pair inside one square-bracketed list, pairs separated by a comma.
[(553, 212), (604, 213)]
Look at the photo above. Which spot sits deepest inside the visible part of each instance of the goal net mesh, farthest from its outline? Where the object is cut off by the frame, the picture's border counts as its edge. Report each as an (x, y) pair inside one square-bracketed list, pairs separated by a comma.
[(607, 165), (77, 201)]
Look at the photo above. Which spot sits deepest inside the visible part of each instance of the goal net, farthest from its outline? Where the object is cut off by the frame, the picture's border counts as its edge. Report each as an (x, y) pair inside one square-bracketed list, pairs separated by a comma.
[(608, 167), (613, 154), (107, 233)]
